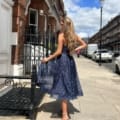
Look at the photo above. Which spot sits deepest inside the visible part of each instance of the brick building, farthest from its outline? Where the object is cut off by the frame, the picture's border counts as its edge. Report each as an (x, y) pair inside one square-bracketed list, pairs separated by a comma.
[(36, 14), (110, 35)]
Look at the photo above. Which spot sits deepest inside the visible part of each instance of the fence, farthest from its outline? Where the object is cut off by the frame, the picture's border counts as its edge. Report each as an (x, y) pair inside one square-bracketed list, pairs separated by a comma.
[(37, 45), (19, 96)]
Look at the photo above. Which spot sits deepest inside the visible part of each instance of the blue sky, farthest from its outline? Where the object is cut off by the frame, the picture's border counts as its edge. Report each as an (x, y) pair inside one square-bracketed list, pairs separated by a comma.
[(88, 3), (86, 14)]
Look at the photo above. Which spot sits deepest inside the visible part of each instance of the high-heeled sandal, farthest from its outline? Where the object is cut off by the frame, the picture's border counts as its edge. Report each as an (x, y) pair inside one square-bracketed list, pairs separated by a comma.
[(65, 116)]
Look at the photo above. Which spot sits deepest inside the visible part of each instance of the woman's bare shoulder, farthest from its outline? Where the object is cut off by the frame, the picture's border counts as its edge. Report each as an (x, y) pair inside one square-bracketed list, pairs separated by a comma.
[(61, 35)]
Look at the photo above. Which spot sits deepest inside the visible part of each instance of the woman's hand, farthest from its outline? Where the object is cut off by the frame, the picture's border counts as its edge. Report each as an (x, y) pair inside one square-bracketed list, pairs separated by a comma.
[(44, 60), (77, 50)]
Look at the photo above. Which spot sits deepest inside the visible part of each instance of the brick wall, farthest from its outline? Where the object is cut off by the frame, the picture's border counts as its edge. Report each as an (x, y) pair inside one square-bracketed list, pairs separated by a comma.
[(18, 26), (20, 21)]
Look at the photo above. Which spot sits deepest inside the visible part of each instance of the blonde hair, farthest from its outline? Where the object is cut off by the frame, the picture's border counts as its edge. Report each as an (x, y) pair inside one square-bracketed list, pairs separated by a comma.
[(69, 33)]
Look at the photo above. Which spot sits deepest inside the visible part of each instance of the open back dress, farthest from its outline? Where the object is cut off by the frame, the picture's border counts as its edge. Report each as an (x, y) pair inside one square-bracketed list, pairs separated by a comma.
[(66, 82)]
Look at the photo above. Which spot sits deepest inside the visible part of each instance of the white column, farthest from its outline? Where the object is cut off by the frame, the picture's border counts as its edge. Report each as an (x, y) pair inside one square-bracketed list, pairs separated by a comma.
[(5, 35)]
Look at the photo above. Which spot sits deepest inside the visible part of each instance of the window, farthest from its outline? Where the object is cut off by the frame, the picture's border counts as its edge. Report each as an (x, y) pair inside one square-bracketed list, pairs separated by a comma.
[(33, 17)]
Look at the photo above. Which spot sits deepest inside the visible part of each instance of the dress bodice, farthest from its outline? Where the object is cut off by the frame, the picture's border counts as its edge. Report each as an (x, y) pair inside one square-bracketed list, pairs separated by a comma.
[(65, 49)]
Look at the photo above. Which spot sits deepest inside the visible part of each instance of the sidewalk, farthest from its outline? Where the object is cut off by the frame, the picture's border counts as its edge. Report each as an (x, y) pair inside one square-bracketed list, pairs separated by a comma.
[(101, 100)]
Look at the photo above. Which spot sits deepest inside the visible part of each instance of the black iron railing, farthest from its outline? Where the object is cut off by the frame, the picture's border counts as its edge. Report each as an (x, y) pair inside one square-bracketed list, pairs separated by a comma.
[(36, 46), (18, 97)]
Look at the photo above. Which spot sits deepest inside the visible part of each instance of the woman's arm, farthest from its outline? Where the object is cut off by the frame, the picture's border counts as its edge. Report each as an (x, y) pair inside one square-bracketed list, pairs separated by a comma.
[(82, 44), (58, 51)]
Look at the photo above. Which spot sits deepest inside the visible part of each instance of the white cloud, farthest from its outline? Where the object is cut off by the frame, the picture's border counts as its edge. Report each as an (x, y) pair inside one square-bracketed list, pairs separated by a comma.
[(83, 34), (87, 20)]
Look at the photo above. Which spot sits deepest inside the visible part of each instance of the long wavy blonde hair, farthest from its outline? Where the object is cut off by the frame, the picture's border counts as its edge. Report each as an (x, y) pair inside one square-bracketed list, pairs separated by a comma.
[(69, 33)]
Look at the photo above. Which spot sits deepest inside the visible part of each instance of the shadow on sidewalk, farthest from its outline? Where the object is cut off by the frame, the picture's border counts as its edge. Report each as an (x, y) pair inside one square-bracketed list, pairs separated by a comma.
[(54, 108), (17, 101)]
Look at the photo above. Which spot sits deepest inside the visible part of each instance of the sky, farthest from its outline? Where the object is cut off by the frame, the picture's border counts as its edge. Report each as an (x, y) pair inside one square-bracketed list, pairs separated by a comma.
[(86, 14)]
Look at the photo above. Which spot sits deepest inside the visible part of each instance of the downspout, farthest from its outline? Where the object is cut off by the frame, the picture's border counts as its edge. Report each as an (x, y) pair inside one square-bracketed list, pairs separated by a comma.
[(27, 5)]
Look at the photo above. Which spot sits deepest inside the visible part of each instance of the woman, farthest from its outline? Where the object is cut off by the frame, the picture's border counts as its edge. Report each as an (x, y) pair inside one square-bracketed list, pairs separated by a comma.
[(66, 85)]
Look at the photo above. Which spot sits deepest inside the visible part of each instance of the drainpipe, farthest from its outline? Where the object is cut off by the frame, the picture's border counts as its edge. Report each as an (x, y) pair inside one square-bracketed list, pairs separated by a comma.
[(27, 5)]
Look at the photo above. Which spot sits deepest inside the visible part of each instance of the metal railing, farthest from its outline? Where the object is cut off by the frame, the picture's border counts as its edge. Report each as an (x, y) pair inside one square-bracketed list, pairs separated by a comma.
[(36, 46), (18, 97)]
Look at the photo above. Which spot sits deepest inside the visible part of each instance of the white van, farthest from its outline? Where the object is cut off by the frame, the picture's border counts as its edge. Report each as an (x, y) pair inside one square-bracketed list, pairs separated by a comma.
[(91, 48)]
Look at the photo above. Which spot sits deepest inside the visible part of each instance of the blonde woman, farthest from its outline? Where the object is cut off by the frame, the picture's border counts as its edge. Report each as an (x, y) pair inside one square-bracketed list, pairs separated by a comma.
[(66, 84)]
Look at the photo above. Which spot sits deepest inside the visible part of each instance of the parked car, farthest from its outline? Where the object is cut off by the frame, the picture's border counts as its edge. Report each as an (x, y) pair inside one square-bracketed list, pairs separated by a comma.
[(106, 55), (115, 54), (117, 64)]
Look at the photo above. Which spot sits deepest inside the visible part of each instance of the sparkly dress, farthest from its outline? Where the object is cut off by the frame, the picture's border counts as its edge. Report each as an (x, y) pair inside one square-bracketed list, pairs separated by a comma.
[(66, 82)]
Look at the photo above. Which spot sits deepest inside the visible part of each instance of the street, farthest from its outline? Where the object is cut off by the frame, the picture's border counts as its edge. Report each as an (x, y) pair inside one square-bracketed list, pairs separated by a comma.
[(101, 100), (36, 31), (101, 94)]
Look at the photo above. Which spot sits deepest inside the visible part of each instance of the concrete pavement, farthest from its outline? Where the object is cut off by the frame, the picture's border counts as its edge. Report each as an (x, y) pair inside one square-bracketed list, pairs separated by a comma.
[(101, 100)]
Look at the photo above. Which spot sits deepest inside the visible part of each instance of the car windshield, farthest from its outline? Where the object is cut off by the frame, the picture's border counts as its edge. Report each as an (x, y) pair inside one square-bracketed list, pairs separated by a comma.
[(102, 51)]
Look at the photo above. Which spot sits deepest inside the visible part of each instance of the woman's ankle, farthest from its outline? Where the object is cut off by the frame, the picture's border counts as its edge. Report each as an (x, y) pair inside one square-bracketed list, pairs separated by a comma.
[(65, 116)]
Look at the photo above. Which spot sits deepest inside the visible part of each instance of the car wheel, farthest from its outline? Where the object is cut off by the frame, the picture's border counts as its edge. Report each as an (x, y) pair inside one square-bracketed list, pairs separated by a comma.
[(110, 61), (117, 69)]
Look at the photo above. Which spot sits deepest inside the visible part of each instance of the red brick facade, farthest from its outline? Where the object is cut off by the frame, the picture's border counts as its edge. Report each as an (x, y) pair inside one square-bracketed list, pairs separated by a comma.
[(18, 26), (20, 21)]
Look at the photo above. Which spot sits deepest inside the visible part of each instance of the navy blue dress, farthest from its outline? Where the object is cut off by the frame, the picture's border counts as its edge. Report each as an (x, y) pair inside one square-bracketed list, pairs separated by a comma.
[(66, 82)]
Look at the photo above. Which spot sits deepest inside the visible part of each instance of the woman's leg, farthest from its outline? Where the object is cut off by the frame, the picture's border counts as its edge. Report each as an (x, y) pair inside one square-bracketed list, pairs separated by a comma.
[(64, 110)]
